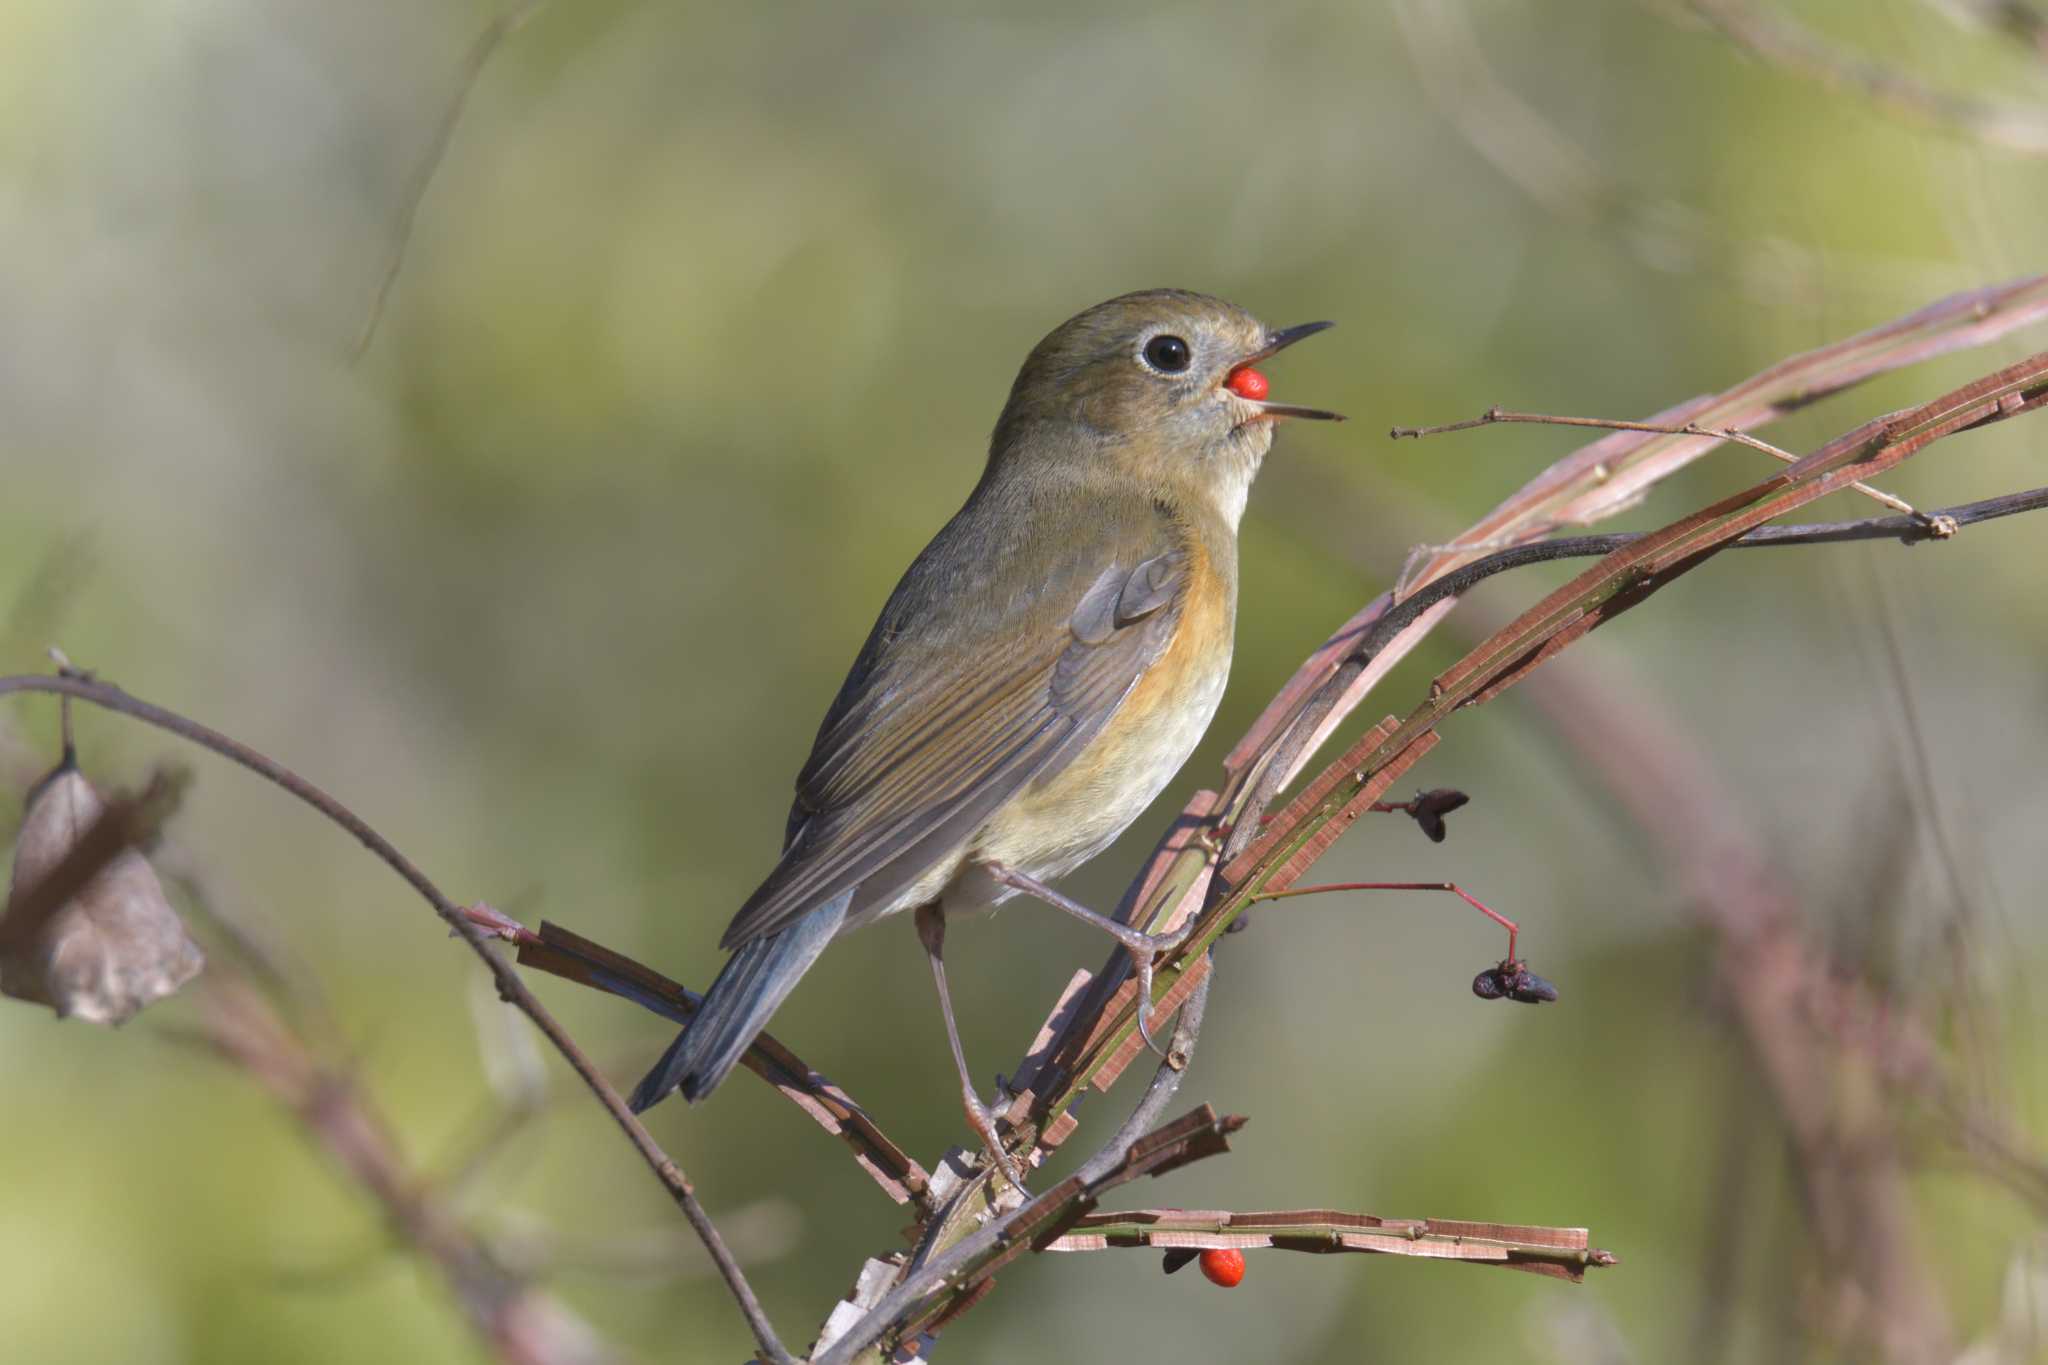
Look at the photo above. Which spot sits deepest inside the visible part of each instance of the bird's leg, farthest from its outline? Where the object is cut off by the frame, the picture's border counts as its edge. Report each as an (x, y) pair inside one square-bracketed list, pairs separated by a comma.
[(931, 931), (1142, 947)]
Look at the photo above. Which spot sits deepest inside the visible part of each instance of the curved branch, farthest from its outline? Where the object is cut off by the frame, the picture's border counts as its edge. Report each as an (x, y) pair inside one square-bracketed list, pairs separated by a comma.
[(511, 988), (1908, 529)]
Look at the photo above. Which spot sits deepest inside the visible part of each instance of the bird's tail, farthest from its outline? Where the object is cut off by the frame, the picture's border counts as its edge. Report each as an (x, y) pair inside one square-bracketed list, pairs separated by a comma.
[(754, 981)]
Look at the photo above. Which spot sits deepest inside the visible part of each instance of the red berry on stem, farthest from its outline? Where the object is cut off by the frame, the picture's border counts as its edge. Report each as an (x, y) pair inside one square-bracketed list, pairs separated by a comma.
[(1248, 383), (1224, 1266)]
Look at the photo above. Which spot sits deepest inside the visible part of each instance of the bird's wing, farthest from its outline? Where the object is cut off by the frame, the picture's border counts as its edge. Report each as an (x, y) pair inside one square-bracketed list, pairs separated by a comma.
[(967, 690)]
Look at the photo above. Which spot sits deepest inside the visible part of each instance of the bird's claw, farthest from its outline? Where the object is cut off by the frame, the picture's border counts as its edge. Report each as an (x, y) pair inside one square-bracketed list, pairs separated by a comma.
[(1141, 962), (982, 1120)]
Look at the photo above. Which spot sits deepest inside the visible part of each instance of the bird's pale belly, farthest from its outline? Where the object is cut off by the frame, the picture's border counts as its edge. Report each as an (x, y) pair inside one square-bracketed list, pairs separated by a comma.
[(1055, 826)]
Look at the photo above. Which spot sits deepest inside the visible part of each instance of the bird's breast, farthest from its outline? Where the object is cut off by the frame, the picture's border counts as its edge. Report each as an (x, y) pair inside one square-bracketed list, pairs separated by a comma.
[(1064, 820)]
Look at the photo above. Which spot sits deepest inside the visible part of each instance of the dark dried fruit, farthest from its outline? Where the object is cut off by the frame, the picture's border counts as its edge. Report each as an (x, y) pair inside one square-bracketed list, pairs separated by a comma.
[(1513, 981)]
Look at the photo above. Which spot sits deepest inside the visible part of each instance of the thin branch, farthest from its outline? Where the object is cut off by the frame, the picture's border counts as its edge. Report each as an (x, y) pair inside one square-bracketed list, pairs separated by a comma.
[(572, 957), (1103, 1042), (514, 990), (1371, 631), (1590, 484), (1166, 1079), (968, 1199), (1564, 1253), (480, 53), (969, 1263), (1613, 473), (1495, 415), (1780, 43), (1453, 888), (1940, 524)]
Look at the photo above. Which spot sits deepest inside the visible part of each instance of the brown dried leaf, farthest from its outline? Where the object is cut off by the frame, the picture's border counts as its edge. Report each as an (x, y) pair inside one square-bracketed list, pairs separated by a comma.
[(111, 946)]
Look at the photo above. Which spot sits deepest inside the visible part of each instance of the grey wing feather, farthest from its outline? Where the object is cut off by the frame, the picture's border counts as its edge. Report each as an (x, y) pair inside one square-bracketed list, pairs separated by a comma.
[(1151, 586), (913, 758)]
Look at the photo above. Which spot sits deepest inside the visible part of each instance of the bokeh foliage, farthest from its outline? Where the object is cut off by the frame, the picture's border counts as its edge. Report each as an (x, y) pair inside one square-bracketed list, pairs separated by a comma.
[(698, 335)]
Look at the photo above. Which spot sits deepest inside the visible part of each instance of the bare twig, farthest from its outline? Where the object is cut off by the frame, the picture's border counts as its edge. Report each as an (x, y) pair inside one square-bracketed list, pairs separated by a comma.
[(1614, 472), (965, 1266), (1781, 43), (1564, 1253), (510, 987), (574, 958), (480, 53), (1495, 415), (1166, 1079), (1588, 485)]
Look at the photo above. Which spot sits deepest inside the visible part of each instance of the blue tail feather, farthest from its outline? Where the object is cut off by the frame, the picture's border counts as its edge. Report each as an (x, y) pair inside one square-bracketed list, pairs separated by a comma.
[(755, 979)]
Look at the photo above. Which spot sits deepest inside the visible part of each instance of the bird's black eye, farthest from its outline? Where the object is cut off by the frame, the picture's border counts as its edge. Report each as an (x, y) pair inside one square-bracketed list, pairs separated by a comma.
[(1167, 354)]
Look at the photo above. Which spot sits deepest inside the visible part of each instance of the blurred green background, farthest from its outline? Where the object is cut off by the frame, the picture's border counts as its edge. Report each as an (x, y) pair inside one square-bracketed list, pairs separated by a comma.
[(698, 335)]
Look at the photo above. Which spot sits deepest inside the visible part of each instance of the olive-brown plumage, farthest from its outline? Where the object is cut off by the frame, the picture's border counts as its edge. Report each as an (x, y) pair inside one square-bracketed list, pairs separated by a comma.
[(1043, 668)]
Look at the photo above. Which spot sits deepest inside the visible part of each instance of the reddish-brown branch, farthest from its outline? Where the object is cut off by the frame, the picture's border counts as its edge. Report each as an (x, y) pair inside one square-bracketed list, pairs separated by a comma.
[(572, 957), (1498, 918)]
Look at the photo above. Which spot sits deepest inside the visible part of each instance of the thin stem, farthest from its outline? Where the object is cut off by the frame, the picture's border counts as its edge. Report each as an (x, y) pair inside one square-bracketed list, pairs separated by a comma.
[(480, 53), (1166, 1079), (1780, 43), (1394, 617), (511, 988), (574, 958), (1498, 918), (1907, 530), (959, 1261), (1493, 416)]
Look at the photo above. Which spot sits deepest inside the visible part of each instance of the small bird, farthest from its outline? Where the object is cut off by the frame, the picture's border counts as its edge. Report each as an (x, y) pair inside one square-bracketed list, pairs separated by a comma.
[(1040, 673)]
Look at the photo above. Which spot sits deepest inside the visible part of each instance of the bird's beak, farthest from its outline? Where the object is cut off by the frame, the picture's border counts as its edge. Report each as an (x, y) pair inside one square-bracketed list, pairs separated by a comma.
[(1275, 343)]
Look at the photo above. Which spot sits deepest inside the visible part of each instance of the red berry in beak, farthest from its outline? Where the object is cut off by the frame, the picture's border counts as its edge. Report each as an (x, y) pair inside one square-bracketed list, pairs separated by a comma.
[(1225, 1265), (1247, 383)]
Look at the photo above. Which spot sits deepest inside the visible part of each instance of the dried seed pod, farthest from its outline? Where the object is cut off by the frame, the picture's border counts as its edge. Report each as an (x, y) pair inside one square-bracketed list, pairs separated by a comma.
[(1513, 981), (109, 947), (1429, 809)]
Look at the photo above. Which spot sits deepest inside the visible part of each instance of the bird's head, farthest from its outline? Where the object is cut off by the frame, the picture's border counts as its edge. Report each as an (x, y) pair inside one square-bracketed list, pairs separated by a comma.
[(1159, 385)]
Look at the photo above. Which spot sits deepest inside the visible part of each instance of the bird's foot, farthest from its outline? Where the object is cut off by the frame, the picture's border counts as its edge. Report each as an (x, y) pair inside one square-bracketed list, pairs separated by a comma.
[(1144, 948), (982, 1119)]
